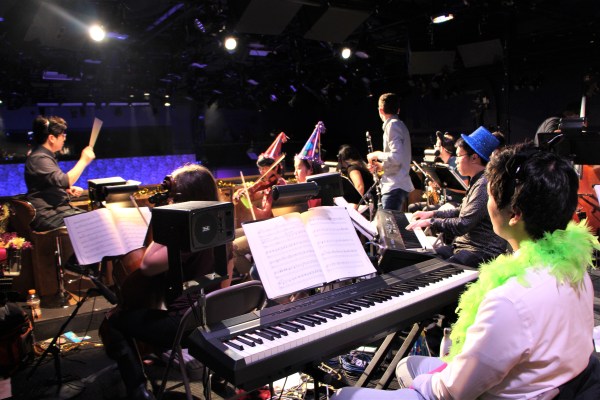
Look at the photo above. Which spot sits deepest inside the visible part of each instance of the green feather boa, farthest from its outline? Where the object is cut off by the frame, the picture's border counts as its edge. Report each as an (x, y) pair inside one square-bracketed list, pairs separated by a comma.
[(567, 253)]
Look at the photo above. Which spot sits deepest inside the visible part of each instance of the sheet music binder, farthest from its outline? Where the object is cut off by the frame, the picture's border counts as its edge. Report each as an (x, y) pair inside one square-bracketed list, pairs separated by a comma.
[(445, 176)]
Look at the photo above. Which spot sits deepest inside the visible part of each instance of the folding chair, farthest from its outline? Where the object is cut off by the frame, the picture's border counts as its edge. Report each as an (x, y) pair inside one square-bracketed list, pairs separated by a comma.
[(221, 304)]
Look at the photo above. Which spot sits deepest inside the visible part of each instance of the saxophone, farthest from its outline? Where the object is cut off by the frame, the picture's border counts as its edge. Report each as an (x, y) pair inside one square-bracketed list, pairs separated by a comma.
[(375, 174)]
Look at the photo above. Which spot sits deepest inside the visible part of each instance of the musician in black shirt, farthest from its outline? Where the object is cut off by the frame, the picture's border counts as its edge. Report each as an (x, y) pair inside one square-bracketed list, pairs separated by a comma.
[(474, 239), (48, 187)]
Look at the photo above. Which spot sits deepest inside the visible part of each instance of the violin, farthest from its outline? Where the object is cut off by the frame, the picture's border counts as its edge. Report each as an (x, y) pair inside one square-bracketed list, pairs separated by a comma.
[(264, 182)]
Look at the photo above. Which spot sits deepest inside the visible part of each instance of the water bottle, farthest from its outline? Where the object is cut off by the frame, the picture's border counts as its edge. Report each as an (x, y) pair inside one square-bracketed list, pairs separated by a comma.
[(446, 343), (33, 302)]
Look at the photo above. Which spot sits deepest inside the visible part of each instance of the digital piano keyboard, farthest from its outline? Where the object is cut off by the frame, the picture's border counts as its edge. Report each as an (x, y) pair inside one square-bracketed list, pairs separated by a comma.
[(261, 347)]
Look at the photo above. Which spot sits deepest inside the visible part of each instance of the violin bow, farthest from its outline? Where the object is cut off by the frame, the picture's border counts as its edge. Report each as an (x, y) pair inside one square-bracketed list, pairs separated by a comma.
[(276, 163), (248, 196)]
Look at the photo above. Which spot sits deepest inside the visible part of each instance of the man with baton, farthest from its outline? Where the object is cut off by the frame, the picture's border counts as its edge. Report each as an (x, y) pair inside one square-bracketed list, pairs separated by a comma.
[(48, 187)]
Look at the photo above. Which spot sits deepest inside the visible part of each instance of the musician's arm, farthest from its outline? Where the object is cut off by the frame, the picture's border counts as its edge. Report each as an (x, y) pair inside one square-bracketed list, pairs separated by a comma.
[(357, 180), (471, 213), (396, 141), (156, 260), (87, 155)]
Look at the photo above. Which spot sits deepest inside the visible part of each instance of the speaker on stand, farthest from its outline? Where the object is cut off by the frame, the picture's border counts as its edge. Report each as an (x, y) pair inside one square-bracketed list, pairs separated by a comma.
[(193, 226)]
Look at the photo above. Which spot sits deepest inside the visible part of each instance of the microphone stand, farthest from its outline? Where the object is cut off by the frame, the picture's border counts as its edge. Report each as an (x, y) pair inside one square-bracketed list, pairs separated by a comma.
[(54, 349)]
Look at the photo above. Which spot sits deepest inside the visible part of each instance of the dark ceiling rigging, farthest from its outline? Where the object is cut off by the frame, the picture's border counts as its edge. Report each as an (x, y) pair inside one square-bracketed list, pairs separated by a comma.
[(174, 48)]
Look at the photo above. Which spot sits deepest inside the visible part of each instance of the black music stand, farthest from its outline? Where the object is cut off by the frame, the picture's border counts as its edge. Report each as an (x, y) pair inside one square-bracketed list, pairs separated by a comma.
[(445, 176), (579, 147)]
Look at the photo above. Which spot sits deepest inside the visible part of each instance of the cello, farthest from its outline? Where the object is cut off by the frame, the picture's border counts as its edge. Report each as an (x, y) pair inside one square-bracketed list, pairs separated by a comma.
[(587, 202)]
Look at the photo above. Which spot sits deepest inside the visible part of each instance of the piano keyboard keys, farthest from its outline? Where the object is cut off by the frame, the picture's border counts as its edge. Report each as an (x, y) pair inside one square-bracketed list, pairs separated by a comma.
[(285, 334)]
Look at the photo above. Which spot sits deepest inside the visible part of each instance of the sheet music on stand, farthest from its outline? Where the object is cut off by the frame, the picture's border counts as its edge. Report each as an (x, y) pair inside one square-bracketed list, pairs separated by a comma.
[(364, 226), (445, 176)]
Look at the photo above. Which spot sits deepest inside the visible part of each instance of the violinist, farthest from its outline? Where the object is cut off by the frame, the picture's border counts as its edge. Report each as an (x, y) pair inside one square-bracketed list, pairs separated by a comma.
[(158, 326), (270, 168)]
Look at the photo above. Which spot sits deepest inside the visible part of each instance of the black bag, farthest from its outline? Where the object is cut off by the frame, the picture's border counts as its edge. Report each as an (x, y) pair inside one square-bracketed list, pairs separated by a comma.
[(16, 338)]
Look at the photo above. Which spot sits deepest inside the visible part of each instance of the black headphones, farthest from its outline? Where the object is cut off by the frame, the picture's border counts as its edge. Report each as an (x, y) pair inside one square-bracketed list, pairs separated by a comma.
[(166, 190)]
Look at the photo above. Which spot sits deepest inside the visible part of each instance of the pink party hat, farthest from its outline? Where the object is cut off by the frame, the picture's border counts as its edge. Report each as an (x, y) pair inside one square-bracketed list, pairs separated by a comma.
[(274, 150), (312, 149)]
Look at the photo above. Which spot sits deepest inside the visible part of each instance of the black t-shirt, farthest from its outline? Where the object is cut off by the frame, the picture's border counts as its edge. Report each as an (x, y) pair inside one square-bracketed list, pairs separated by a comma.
[(46, 184)]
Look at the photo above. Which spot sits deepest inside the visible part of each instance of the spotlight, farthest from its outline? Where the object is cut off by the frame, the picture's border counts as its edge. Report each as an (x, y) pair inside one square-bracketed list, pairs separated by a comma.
[(167, 104), (230, 43), (97, 33), (442, 17), (346, 53)]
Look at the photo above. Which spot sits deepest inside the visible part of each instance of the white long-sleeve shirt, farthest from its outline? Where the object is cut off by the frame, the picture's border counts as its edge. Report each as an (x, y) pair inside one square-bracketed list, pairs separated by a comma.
[(396, 157), (525, 342)]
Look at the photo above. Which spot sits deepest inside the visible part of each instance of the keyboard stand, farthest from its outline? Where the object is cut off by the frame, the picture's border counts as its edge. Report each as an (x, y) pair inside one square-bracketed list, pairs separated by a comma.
[(381, 353)]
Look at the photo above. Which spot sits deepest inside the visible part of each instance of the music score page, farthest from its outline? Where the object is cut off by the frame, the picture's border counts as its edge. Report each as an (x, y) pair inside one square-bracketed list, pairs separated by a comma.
[(107, 232), (296, 251)]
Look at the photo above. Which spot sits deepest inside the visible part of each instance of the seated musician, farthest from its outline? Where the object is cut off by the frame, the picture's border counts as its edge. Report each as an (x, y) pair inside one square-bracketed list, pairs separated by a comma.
[(525, 327), (271, 175), (308, 162), (355, 168), (444, 151), (474, 239), (155, 326), (48, 187)]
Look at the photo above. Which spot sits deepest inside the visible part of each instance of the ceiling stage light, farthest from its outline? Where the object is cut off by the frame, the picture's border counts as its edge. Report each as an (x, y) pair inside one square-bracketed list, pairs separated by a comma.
[(97, 33), (440, 18), (346, 53), (230, 43)]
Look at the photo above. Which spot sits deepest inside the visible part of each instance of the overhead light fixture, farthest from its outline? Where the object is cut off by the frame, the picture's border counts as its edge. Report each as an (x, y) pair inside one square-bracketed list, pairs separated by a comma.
[(230, 43), (97, 33), (346, 53), (441, 18)]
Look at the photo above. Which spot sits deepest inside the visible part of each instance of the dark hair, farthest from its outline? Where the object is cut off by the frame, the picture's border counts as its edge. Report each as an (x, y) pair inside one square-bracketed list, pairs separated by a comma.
[(311, 165), (447, 141), (194, 182), (390, 103), (267, 162), (351, 155), (540, 184), (460, 143), (45, 126)]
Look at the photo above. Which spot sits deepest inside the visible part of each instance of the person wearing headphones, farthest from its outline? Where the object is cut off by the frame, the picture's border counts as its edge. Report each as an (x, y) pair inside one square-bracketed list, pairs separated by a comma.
[(48, 187), (140, 315)]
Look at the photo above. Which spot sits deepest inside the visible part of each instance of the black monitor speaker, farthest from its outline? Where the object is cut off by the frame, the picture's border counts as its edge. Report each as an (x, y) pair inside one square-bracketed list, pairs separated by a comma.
[(193, 225)]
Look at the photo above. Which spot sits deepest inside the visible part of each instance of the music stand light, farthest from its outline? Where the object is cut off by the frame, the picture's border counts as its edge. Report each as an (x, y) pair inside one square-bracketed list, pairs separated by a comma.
[(330, 186), (295, 193)]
